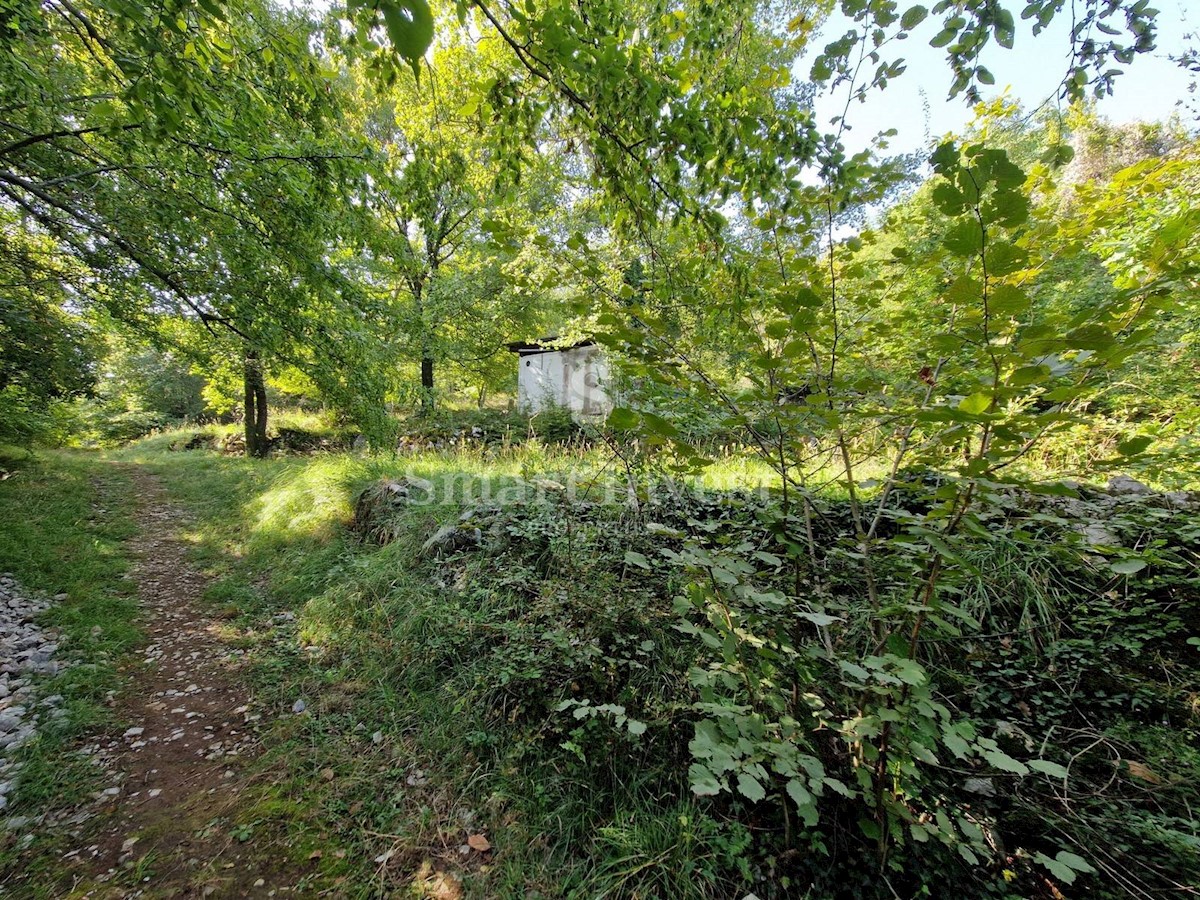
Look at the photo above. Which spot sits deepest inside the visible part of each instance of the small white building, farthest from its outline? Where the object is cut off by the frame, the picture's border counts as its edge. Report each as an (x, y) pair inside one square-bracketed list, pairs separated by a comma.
[(573, 376)]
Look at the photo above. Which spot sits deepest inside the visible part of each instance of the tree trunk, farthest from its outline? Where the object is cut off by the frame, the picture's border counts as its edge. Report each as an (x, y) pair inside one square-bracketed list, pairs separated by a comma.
[(426, 351), (257, 444), (426, 383)]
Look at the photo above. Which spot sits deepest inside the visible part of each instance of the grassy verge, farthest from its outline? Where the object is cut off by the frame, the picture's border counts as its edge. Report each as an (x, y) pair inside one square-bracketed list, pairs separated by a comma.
[(63, 520)]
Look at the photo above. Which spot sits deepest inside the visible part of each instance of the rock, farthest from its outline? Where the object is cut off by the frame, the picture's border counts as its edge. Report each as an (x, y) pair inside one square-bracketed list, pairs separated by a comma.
[(450, 538), (134, 732), (1096, 535), (298, 707), (377, 509), (26, 649), (1124, 486), (983, 786), (200, 441)]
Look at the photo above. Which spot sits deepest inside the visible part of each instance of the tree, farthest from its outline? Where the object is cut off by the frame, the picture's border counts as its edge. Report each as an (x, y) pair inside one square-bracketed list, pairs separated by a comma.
[(688, 137), (431, 209), (47, 354), (447, 230), (190, 159)]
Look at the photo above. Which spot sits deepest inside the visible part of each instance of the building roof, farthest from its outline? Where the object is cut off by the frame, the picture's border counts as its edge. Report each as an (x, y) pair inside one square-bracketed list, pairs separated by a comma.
[(546, 345)]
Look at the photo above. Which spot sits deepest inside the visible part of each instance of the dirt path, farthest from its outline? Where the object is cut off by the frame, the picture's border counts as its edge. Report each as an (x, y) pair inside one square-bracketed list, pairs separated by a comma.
[(166, 825)]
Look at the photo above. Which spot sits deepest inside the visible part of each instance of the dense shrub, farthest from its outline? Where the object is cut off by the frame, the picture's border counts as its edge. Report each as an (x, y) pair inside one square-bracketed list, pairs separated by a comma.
[(595, 637)]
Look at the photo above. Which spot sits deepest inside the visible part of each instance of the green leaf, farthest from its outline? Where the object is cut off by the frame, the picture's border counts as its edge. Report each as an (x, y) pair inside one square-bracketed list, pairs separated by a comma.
[(955, 743), (854, 670), (1005, 763), (803, 799), (1008, 300), (801, 298), (964, 290), (1090, 337), (704, 783), (965, 238), (749, 787), (1065, 865), (1134, 445), (1004, 258), (976, 403), (913, 17), (622, 419), (1008, 207), (1046, 767), (945, 158), (1059, 870), (948, 199), (633, 558), (777, 330), (944, 37), (838, 787), (1004, 28), (1076, 862), (819, 619), (658, 425), (910, 672), (1058, 155), (1128, 566), (1027, 375), (409, 27)]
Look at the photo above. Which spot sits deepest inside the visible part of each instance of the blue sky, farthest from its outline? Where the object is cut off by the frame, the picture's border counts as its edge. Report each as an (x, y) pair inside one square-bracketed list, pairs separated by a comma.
[(1149, 90)]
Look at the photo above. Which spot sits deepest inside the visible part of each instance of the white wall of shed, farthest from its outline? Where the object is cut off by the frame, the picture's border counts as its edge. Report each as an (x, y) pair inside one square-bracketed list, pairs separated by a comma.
[(576, 378)]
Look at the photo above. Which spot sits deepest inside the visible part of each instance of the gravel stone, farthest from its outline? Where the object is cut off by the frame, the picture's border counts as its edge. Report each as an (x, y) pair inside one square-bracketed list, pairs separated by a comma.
[(26, 653)]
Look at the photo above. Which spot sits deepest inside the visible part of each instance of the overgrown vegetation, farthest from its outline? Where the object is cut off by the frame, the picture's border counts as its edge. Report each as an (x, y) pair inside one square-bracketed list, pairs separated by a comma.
[(477, 684)]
